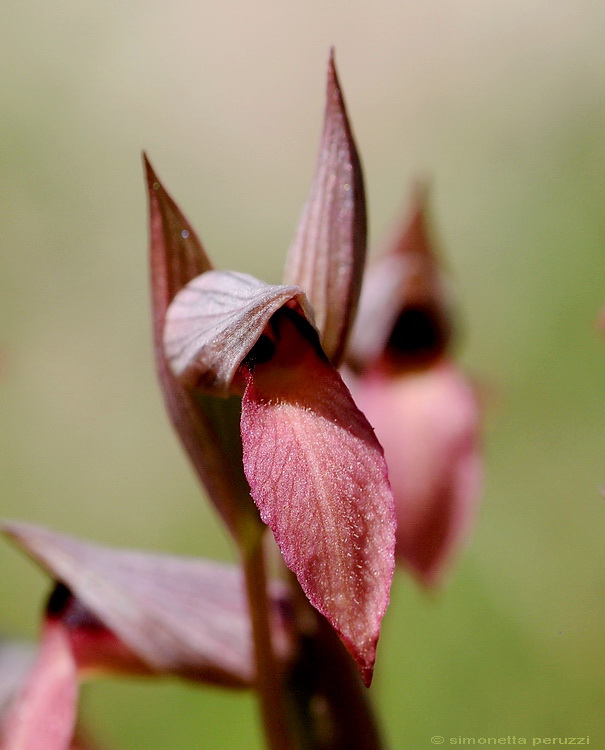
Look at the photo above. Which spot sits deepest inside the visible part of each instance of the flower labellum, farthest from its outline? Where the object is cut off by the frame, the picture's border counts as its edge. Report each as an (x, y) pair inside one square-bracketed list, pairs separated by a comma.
[(318, 476)]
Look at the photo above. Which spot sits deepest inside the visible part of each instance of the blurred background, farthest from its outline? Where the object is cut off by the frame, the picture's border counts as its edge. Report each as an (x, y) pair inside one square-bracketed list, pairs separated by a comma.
[(502, 106)]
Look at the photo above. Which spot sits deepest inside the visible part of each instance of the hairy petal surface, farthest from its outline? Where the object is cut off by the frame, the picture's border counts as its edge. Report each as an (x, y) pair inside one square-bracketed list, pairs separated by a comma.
[(428, 423), (318, 476), (43, 716), (215, 321), (178, 615), (327, 255)]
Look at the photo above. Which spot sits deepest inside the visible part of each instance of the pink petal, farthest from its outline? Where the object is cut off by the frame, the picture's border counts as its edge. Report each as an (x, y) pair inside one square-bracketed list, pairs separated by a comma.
[(44, 714), (318, 476), (427, 422), (327, 256)]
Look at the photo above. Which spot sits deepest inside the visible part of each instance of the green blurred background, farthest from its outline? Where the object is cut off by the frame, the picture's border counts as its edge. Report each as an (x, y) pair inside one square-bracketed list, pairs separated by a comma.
[(502, 105)]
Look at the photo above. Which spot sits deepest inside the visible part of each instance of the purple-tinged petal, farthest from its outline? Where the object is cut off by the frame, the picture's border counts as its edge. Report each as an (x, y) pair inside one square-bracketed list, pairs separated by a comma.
[(215, 321), (207, 430), (427, 421), (178, 615), (43, 715), (327, 256), (403, 310), (318, 476)]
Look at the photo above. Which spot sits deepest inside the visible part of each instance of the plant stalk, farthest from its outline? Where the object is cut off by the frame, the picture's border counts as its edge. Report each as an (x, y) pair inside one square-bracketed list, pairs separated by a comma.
[(269, 678), (332, 707)]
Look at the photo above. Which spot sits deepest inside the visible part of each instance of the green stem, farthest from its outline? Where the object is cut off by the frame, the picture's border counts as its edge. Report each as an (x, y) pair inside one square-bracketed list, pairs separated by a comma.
[(269, 679)]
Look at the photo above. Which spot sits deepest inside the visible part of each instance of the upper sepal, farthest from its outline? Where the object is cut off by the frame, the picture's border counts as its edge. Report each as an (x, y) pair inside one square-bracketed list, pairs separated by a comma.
[(214, 323), (327, 255)]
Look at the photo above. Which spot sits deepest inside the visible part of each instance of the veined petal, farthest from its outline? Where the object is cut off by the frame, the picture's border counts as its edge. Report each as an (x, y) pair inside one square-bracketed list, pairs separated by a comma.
[(215, 321), (318, 476), (178, 615), (43, 716), (327, 256)]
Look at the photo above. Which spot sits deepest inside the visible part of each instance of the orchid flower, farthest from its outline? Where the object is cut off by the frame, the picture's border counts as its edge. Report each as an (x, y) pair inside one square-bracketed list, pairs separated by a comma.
[(250, 376), (249, 373), (129, 613), (423, 408)]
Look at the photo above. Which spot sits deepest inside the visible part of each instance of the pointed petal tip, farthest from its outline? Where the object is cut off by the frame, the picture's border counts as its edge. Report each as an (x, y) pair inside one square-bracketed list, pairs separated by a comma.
[(364, 658), (335, 104), (16, 530), (327, 255), (332, 74), (419, 194), (149, 170), (414, 235)]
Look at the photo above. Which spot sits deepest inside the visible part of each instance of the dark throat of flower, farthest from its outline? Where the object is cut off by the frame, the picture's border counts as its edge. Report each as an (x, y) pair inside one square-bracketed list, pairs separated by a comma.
[(420, 335)]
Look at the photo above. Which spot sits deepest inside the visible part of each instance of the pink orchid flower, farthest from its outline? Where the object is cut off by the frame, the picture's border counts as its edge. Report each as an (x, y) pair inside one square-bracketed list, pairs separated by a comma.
[(422, 406), (249, 373)]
